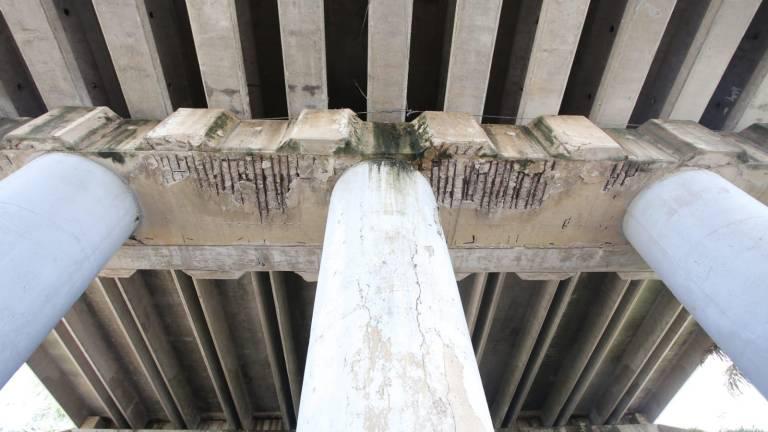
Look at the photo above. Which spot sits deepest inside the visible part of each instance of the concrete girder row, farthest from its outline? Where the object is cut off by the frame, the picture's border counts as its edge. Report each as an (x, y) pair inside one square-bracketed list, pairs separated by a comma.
[(59, 69)]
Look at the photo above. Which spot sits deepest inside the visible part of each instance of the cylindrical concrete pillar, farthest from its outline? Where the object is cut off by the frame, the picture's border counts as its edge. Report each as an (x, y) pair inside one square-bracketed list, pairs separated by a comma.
[(389, 348), (62, 217), (708, 241)]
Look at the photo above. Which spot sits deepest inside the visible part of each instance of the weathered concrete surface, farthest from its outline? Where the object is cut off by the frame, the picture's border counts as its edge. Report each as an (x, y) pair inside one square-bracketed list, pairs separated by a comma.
[(640, 32), (132, 48), (217, 41), (524, 198), (718, 36), (752, 105), (554, 46), (43, 43), (472, 42), (302, 31), (389, 49), (385, 293)]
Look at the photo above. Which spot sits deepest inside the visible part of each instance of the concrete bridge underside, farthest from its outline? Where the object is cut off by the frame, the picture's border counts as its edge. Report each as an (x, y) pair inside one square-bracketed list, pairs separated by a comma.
[(203, 316), (219, 115)]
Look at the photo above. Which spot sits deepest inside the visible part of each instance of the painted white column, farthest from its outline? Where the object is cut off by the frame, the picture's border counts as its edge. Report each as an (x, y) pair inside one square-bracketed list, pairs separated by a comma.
[(708, 241), (389, 348), (62, 217)]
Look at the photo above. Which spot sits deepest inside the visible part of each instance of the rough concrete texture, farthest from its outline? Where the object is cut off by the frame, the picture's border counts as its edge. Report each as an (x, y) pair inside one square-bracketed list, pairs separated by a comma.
[(223, 181), (385, 293)]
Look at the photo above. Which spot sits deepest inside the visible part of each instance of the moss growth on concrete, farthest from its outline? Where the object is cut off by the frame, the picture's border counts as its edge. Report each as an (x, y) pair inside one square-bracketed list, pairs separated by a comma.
[(289, 146), (115, 157), (395, 139), (218, 125)]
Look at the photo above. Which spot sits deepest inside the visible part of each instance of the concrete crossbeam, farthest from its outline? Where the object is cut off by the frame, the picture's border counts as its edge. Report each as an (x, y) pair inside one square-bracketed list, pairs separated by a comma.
[(131, 44), (715, 41), (217, 41), (473, 39), (389, 41), (554, 46), (302, 33), (42, 42), (640, 31), (265, 174)]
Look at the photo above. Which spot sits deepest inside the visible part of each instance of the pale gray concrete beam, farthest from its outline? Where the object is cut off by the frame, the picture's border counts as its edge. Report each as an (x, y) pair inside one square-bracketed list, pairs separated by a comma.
[(128, 34), (108, 289), (389, 42), (549, 65), (646, 338), (474, 36), (557, 309), (534, 319), (96, 349), (715, 41), (474, 300), (294, 369), (620, 315), (138, 300), (307, 259), (490, 303), (679, 326), (7, 108), (260, 285), (640, 31), (752, 105), (44, 46), (51, 373), (225, 348), (302, 34), (63, 336), (251, 55), (610, 295), (217, 41), (696, 349), (196, 319)]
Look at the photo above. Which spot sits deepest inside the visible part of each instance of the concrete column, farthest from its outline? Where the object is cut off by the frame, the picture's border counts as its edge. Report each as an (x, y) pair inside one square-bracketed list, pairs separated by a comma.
[(61, 218), (706, 239), (389, 348)]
